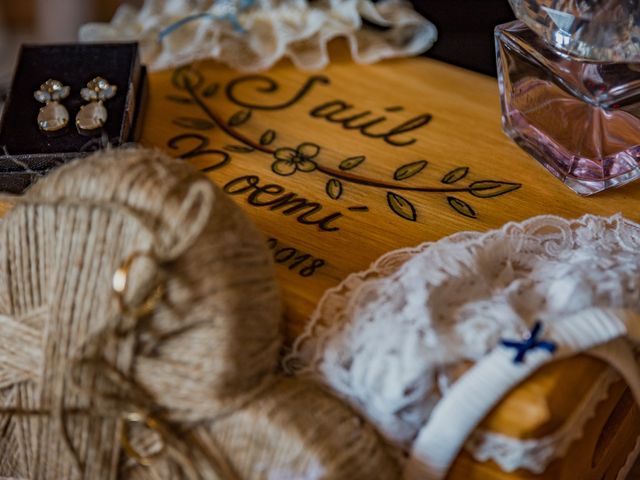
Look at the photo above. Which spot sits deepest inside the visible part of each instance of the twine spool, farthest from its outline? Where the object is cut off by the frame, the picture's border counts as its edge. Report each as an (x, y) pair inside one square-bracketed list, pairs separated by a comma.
[(293, 431), (172, 377)]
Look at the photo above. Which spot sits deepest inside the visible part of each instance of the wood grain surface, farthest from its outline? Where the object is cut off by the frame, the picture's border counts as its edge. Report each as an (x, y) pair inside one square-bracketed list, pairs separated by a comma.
[(463, 136), (383, 190)]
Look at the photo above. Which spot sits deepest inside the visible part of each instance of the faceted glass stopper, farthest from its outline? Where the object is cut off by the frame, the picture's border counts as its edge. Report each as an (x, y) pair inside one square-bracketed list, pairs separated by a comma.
[(579, 118), (601, 30)]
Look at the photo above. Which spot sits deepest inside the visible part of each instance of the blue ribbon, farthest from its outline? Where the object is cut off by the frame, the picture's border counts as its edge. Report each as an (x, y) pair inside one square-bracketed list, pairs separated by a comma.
[(531, 342), (230, 17)]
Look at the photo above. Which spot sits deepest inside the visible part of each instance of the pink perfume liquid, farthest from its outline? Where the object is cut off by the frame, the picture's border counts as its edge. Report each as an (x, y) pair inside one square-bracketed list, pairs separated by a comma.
[(579, 118)]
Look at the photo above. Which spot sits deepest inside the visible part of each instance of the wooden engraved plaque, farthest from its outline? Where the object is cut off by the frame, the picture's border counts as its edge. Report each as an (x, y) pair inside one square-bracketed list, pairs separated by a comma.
[(341, 166)]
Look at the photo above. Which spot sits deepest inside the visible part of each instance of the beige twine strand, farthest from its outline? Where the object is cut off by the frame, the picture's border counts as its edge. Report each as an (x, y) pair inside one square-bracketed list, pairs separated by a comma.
[(173, 375)]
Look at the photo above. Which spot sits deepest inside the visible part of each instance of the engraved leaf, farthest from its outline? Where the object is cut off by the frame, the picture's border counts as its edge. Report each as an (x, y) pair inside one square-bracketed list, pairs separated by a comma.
[(409, 170), (194, 123), (179, 99), (454, 175), (238, 148), (267, 137), (211, 90), (240, 117), (185, 77), (462, 207), (416, 122), (401, 206), (491, 188), (352, 162), (334, 188)]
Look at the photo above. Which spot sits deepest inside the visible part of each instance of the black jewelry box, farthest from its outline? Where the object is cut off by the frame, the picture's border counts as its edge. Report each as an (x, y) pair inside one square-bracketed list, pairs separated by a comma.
[(26, 152)]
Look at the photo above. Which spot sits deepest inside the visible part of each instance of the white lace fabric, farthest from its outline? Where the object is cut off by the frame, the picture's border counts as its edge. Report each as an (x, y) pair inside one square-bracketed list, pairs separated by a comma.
[(394, 340), (270, 30)]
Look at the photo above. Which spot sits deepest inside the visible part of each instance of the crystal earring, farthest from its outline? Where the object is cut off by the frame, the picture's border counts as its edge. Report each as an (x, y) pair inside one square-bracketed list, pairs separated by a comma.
[(94, 115), (52, 116)]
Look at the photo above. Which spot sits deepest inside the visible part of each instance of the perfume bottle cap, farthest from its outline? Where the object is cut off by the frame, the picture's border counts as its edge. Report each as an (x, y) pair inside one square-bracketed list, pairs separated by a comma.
[(601, 30)]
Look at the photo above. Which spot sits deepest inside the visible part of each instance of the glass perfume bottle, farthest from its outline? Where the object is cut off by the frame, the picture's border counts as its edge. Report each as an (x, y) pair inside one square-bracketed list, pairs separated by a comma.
[(569, 76)]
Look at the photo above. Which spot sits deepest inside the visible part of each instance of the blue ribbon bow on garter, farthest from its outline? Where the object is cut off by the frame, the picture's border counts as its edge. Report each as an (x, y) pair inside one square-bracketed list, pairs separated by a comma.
[(530, 342)]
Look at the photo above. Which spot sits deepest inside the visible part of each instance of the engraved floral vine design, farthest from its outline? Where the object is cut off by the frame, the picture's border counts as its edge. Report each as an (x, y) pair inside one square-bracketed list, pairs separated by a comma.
[(306, 157)]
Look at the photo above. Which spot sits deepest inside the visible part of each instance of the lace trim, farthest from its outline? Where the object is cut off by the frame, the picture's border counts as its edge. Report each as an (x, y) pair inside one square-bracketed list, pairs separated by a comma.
[(334, 303), (630, 464), (535, 455), (268, 31), (392, 340)]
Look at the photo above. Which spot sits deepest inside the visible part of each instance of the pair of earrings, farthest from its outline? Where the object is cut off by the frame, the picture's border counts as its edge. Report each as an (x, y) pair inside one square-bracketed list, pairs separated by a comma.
[(92, 116)]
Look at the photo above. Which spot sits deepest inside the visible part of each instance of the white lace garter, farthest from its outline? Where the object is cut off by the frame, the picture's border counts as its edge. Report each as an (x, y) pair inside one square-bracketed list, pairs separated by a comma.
[(255, 34), (428, 340)]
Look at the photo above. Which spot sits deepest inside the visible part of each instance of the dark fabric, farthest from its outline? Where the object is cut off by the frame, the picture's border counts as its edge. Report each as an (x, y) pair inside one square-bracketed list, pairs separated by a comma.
[(465, 30), (26, 152), (73, 65)]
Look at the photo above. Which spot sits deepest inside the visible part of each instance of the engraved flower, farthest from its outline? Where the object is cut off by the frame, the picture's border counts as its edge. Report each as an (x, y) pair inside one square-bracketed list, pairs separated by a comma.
[(288, 160)]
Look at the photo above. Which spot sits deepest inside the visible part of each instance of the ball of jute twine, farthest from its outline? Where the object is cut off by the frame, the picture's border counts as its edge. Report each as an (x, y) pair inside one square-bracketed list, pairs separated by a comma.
[(140, 329)]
